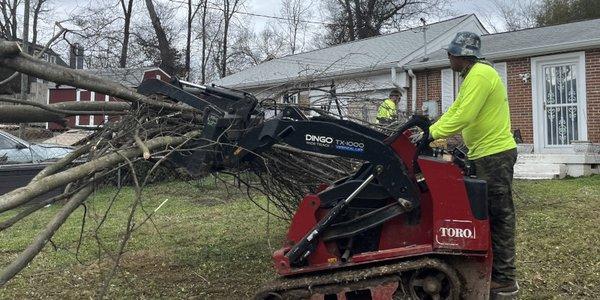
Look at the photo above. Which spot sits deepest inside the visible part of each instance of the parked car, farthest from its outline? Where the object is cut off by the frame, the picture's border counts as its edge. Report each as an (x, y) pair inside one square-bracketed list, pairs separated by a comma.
[(14, 150)]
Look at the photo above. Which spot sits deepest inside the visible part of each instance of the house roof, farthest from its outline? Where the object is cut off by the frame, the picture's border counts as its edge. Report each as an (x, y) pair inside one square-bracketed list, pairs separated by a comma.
[(368, 54), (131, 77), (49, 51), (526, 42)]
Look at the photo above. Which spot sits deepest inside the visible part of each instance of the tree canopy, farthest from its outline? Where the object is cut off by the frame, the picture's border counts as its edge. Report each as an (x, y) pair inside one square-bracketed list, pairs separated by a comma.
[(554, 12)]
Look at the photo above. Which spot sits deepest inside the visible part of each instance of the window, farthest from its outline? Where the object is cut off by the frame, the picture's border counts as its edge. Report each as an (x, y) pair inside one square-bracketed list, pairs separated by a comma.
[(447, 89), (6, 143), (290, 99)]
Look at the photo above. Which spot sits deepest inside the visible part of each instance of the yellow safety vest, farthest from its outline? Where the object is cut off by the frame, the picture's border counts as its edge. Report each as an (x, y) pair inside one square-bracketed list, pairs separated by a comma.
[(480, 113), (387, 111)]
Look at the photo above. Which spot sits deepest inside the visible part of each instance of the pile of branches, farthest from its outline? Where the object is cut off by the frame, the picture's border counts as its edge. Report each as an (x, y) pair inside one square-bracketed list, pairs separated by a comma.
[(150, 130)]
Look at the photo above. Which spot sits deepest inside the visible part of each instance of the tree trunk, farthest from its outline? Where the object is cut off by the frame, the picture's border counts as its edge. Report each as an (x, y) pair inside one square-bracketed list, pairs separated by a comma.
[(349, 20), (36, 14), (125, 47), (12, 58), (44, 236), (22, 195), (15, 114), (166, 55), (13, 15), (204, 58), (188, 41), (226, 7)]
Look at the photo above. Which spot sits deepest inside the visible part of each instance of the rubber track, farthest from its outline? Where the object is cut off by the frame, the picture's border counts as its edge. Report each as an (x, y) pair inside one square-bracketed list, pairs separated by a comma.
[(303, 286)]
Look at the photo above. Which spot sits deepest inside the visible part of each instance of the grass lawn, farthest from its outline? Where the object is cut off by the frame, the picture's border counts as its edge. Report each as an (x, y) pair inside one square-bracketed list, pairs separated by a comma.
[(207, 243)]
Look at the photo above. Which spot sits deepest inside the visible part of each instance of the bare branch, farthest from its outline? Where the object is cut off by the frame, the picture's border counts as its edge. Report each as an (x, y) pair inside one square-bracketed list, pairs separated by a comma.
[(11, 57), (44, 236)]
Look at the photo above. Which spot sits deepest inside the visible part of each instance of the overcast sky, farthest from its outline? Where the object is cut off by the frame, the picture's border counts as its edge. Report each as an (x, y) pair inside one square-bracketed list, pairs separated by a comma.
[(483, 8)]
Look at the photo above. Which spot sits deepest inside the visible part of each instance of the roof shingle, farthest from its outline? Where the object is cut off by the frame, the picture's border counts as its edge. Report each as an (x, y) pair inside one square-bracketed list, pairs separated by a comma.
[(369, 53)]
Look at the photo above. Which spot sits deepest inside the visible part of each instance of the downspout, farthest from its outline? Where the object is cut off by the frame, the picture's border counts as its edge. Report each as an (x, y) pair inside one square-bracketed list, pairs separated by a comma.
[(426, 85), (413, 85)]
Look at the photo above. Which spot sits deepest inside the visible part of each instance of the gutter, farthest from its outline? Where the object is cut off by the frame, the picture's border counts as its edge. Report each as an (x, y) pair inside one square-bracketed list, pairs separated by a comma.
[(299, 79), (529, 51)]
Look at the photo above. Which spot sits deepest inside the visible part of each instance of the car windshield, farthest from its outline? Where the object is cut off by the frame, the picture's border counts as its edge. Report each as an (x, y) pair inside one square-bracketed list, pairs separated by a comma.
[(14, 138)]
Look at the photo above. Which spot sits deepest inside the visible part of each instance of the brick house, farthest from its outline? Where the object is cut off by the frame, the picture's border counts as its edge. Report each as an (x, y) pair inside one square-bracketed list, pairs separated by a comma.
[(130, 77), (552, 76), (358, 75)]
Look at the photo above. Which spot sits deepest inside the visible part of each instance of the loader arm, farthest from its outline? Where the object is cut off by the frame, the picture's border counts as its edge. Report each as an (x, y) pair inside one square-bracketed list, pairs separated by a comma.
[(241, 134)]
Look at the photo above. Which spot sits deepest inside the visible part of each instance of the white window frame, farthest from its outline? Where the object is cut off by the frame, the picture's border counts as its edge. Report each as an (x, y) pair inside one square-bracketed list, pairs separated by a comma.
[(77, 99), (502, 69), (447, 88), (106, 99), (536, 88), (91, 118)]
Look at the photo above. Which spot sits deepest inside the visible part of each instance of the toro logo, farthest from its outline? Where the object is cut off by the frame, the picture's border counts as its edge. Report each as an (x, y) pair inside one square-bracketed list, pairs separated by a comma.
[(457, 233)]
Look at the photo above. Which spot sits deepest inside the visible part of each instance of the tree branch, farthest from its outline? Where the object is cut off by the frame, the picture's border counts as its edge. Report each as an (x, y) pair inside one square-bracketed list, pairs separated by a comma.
[(44, 236), (11, 57), (22, 195)]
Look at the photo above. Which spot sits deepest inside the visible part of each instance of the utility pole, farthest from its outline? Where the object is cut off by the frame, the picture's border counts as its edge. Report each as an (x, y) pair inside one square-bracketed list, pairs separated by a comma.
[(25, 77)]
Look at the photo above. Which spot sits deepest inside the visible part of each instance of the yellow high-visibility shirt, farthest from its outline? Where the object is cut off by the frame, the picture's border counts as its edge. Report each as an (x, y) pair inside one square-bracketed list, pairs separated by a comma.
[(480, 113), (387, 110)]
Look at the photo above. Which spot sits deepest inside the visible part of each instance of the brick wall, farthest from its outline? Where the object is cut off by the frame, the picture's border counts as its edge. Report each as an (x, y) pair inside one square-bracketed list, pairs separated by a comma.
[(592, 75), (519, 94), (519, 97), (433, 77)]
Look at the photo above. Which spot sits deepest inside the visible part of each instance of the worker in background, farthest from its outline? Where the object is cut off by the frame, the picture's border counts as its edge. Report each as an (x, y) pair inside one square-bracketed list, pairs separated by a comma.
[(481, 114), (387, 112)]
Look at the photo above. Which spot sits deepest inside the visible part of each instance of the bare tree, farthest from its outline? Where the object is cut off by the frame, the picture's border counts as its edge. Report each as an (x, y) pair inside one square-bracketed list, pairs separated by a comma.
[(9, 23), (204, 40), (38, 8), (294, 13), (192, 11), (518, 15), (358, 19), (101, 34), (167, 53), (127, 9), (230, 8)]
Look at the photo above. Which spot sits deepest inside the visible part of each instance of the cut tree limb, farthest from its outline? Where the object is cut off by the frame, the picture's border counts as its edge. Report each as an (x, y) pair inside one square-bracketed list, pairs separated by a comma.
[(44, 236), (30, 114), (141, 145), (27, 64), (63, 162), (68, 112), (22, 195)]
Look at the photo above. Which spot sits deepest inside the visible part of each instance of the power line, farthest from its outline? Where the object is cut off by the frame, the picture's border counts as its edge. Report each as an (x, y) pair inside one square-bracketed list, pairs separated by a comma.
[(282, 18)]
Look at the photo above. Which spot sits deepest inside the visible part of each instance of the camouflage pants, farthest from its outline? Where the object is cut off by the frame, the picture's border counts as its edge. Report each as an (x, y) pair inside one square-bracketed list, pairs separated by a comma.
[(497, 170)]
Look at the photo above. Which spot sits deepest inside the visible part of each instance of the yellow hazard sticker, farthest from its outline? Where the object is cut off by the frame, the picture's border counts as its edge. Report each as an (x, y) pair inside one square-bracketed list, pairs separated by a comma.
[(332, 260)]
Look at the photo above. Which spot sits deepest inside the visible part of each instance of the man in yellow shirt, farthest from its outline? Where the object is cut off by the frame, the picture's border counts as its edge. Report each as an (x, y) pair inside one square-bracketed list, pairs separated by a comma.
[(387, 113), (481, 114)]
